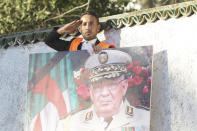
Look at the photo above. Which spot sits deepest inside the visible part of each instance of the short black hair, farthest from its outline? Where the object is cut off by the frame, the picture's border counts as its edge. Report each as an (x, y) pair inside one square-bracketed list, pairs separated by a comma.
[(92, 13)]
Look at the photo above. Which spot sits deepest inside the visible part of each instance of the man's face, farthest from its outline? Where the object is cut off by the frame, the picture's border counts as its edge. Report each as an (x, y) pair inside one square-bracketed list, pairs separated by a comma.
[(89, 27), (107, 96)]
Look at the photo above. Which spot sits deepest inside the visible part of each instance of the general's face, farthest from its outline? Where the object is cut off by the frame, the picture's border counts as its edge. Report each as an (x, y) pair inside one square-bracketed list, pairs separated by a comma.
[(89, 27), (107, 96)]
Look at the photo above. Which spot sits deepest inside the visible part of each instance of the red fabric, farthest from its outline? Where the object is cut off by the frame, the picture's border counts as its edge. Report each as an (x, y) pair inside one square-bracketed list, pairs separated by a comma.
[(53, 93), (38, 125)]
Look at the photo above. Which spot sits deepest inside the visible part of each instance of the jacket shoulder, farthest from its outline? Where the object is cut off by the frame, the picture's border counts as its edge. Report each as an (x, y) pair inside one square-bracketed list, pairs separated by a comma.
[(83, 115)]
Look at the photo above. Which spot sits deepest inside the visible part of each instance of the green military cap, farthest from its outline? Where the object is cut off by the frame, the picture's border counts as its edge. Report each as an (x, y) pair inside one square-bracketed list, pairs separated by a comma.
[(108, 64)]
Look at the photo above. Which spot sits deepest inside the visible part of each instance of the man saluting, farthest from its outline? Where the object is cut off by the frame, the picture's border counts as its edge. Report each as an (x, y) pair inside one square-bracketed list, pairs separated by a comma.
[(88, 26)]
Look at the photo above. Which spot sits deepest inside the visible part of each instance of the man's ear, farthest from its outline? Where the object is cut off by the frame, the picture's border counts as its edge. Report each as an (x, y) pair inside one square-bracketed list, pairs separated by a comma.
[(79, 28), (98, 27)]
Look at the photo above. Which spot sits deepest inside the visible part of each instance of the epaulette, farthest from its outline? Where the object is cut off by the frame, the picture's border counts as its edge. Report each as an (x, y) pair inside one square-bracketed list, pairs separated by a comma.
[(89, 116), (129, 110), (142, 107)]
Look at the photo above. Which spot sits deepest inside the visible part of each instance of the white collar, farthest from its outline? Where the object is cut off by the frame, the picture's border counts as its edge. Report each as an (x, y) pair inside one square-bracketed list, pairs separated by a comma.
[(92, 42)]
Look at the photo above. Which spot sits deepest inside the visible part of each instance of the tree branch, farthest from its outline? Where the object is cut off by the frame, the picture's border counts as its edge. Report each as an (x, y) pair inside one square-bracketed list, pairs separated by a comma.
[(69, 11), (88, 5)]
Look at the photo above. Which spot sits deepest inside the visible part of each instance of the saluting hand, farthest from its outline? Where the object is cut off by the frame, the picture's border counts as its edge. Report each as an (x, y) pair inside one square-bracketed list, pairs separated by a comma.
[(70, 28)]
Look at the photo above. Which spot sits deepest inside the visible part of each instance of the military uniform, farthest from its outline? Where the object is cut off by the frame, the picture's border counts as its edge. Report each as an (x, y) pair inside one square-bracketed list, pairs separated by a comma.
[(128, 118), (108, 64)]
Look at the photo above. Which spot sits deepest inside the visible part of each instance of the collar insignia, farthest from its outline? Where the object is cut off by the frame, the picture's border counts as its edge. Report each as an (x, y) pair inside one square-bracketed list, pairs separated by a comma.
[(89, 116), (129, 111)]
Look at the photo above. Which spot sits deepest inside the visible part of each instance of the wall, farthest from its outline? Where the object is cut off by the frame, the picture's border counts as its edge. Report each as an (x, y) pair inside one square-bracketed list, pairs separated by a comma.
[(174, 92), (13, 83)]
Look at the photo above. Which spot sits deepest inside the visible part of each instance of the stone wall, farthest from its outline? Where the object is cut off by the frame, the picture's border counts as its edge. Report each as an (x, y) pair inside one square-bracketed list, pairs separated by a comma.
[(174, 92), (13, 85)]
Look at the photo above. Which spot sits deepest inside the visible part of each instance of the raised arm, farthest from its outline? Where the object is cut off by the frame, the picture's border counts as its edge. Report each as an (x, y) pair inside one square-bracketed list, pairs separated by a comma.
[(53, 40)]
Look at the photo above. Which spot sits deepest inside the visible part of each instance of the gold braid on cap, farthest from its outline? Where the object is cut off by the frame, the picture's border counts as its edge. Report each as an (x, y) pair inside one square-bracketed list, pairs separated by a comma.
[(107, 71)]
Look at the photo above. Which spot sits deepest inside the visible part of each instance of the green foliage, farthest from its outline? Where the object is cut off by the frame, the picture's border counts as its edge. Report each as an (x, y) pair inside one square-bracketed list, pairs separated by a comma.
[(21, 15)]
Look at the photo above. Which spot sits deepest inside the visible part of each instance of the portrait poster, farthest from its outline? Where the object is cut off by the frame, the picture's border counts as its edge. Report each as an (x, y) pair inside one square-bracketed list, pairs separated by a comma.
[(64, 95)]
